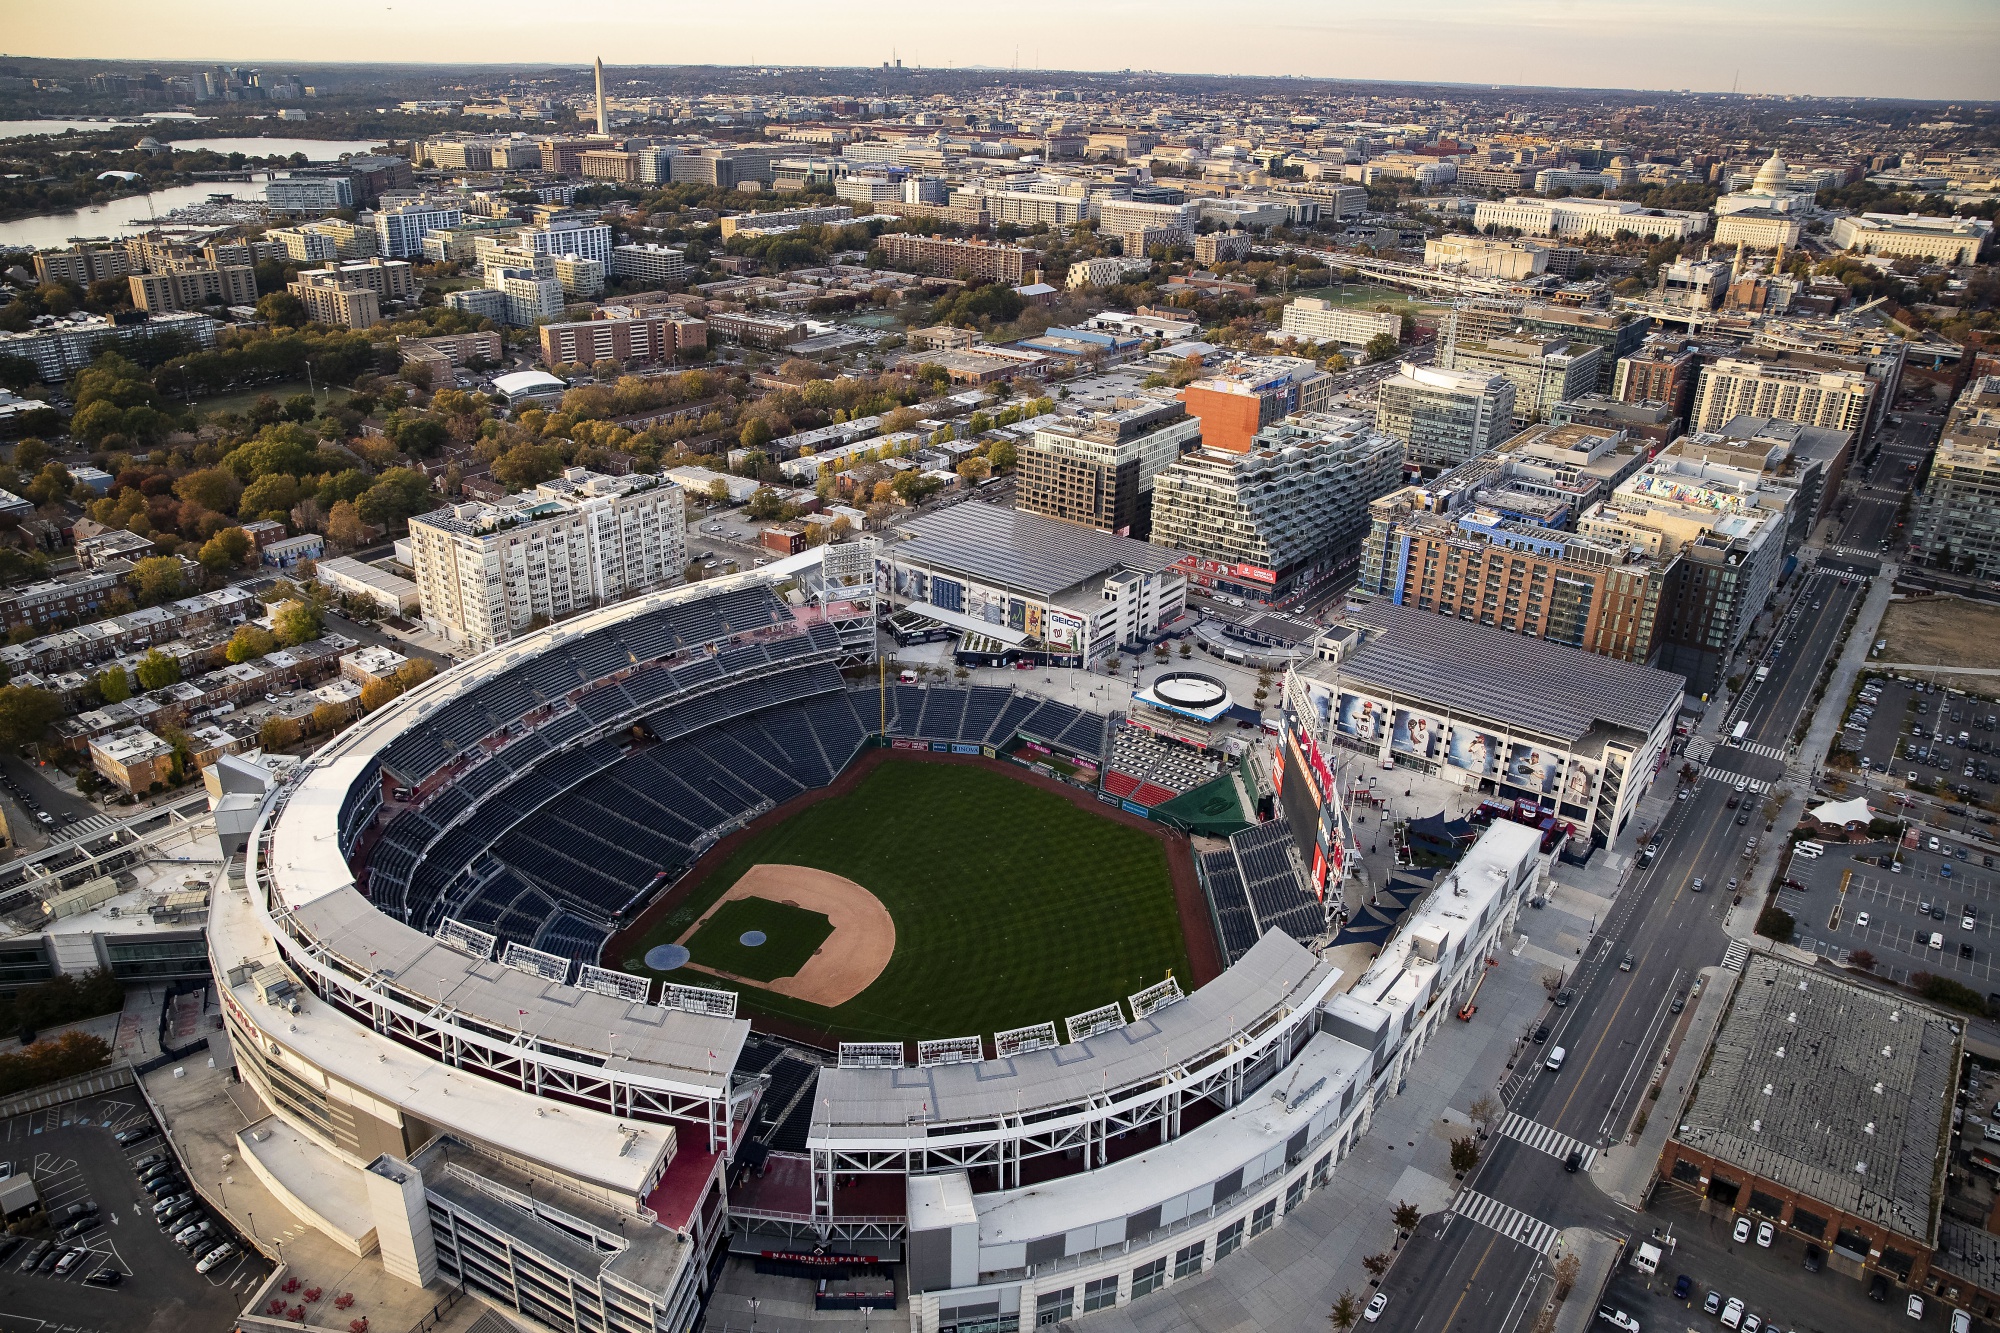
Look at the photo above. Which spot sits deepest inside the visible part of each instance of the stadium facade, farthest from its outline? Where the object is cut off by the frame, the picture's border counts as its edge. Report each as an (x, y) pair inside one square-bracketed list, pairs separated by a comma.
[(411, 978)]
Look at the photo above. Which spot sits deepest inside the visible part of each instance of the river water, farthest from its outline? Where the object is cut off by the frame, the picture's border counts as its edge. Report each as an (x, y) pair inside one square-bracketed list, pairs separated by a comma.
[(134, 212)]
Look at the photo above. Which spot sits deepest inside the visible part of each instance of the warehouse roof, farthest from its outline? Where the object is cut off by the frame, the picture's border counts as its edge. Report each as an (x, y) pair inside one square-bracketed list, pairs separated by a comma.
[(1547, 688), (1831, 1089), (1039, 555)]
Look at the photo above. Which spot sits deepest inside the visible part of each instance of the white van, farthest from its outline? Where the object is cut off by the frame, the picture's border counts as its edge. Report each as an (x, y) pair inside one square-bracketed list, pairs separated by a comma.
[(1937, 940), (1811, 851), (1555, 1060)]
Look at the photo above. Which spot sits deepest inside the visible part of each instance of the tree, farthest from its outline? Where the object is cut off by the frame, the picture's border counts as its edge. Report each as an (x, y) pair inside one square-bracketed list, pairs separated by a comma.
[(277, 733), (525, 464), (396, 495), (1406, 1217), (29, 455), (25, 713), (328, 718), (718, 491), (114, 686), (296, 623), (1346, 1313), (156, 579), (1376, 1264), (1002, 454), (1381, 347), (282, 309), (756, 433), (344, 525), (375, 693), (1776, 923), (248, 643), (213, 488), (157, 670), (271, 496), (1862, 959), (1483, 1111), (226, 550), (1464, 1154), (414, 672)]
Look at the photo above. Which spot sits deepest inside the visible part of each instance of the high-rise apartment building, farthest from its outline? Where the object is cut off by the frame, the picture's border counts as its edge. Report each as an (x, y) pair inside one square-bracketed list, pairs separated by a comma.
[(1724, 528), (1139, 224), (329, 298), (399, 230), (1245, 396), (191, 288), (1098, 468), (1663, 369), (582, 237), (820, 216), (1445, 417), (1544, 370), (1284, 515), (81, 264), (984, 261), (1786, 385), (1316, 320), (1024, 208), (488, 572), (622, 333), (653, 265), (1957, 523), (530, 295), (1475, 563)]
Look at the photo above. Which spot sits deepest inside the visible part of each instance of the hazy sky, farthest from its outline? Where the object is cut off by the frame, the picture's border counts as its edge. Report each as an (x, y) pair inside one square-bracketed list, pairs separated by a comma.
[(1888, 48)]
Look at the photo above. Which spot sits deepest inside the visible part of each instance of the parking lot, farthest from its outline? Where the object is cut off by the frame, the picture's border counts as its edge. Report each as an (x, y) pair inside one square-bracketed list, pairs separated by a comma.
[(1773, 1283), (75, 1161), (1916, 729), (1895, 913)]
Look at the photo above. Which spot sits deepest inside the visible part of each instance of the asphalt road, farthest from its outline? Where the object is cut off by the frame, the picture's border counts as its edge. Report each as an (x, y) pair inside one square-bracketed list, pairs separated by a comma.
[(1460, 1276), (1810, 633)]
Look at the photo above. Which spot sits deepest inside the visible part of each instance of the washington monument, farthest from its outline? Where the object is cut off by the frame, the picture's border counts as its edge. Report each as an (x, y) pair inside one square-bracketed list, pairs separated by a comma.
[(603, 119)]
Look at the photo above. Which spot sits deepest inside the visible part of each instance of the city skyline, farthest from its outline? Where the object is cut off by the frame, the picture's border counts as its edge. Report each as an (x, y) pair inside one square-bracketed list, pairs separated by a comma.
[(1937, 49)]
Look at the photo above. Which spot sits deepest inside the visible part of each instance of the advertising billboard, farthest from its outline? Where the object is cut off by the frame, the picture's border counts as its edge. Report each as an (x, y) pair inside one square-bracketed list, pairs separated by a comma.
[(1577, 790), (1063, 630), (1414, 734), (1532, 766), (1360, 717), (1474, 751)]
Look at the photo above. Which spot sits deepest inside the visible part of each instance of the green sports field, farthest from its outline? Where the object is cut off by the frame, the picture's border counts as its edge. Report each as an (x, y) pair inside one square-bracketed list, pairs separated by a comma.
[(1012, 905), (791, 934)]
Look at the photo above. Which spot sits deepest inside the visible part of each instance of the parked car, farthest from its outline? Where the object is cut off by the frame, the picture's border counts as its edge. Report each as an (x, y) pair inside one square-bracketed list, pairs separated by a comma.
[(104, 1277), (218, 1254), (1376, 1306), (1682, 1286), (1815, 1258), (1914, 1307), (1618, 1319), (1732, 1313), (1742, 1231), (133, 1135), (1764, 1233), (71, 1258)]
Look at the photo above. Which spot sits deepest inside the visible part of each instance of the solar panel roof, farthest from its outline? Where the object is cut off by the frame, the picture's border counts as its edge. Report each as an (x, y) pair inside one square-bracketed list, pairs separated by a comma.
[(1007, 547), (1548, 688)]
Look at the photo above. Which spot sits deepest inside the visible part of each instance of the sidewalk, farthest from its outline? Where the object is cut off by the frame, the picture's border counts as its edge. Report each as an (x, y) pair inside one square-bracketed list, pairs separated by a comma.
[(1595, 1255), (1625, 1171)]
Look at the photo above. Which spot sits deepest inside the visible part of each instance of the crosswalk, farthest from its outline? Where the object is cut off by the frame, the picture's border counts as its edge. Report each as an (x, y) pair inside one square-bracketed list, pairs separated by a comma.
[(1512, 1223), (1739, 954), (1848, 575), (1759, 747), (94, 824), (1542, 1138), (1714, 772)]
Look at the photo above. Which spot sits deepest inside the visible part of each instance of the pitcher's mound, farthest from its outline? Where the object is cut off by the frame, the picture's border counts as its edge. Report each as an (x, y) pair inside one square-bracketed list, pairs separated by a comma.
[(863, 938)]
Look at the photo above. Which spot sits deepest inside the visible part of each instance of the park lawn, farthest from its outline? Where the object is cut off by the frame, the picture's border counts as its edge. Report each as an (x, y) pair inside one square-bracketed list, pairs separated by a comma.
[(244, 400), (1012, 905), (791, 936)]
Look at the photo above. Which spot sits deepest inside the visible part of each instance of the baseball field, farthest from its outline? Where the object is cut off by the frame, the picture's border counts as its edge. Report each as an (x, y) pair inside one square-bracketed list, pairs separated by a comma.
[(930, 901)]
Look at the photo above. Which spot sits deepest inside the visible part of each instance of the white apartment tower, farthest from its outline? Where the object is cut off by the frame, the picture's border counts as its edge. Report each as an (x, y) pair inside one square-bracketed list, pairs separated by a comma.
[(488, 572)]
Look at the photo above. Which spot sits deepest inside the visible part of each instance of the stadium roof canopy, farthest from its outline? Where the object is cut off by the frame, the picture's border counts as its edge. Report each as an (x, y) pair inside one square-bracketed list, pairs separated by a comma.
[(1527, 683), (1040, 555)]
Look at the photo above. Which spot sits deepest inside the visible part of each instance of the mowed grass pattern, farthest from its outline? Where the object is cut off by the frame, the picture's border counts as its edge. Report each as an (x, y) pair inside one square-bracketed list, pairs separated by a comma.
[(1012, 906), (791, 934)]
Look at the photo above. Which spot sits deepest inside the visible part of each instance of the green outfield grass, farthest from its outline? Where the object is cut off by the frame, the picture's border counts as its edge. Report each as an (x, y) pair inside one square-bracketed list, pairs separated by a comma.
[(1012, 906)]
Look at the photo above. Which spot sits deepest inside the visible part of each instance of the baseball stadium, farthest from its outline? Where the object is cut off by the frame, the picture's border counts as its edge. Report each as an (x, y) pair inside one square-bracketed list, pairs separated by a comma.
[(675, 949)]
